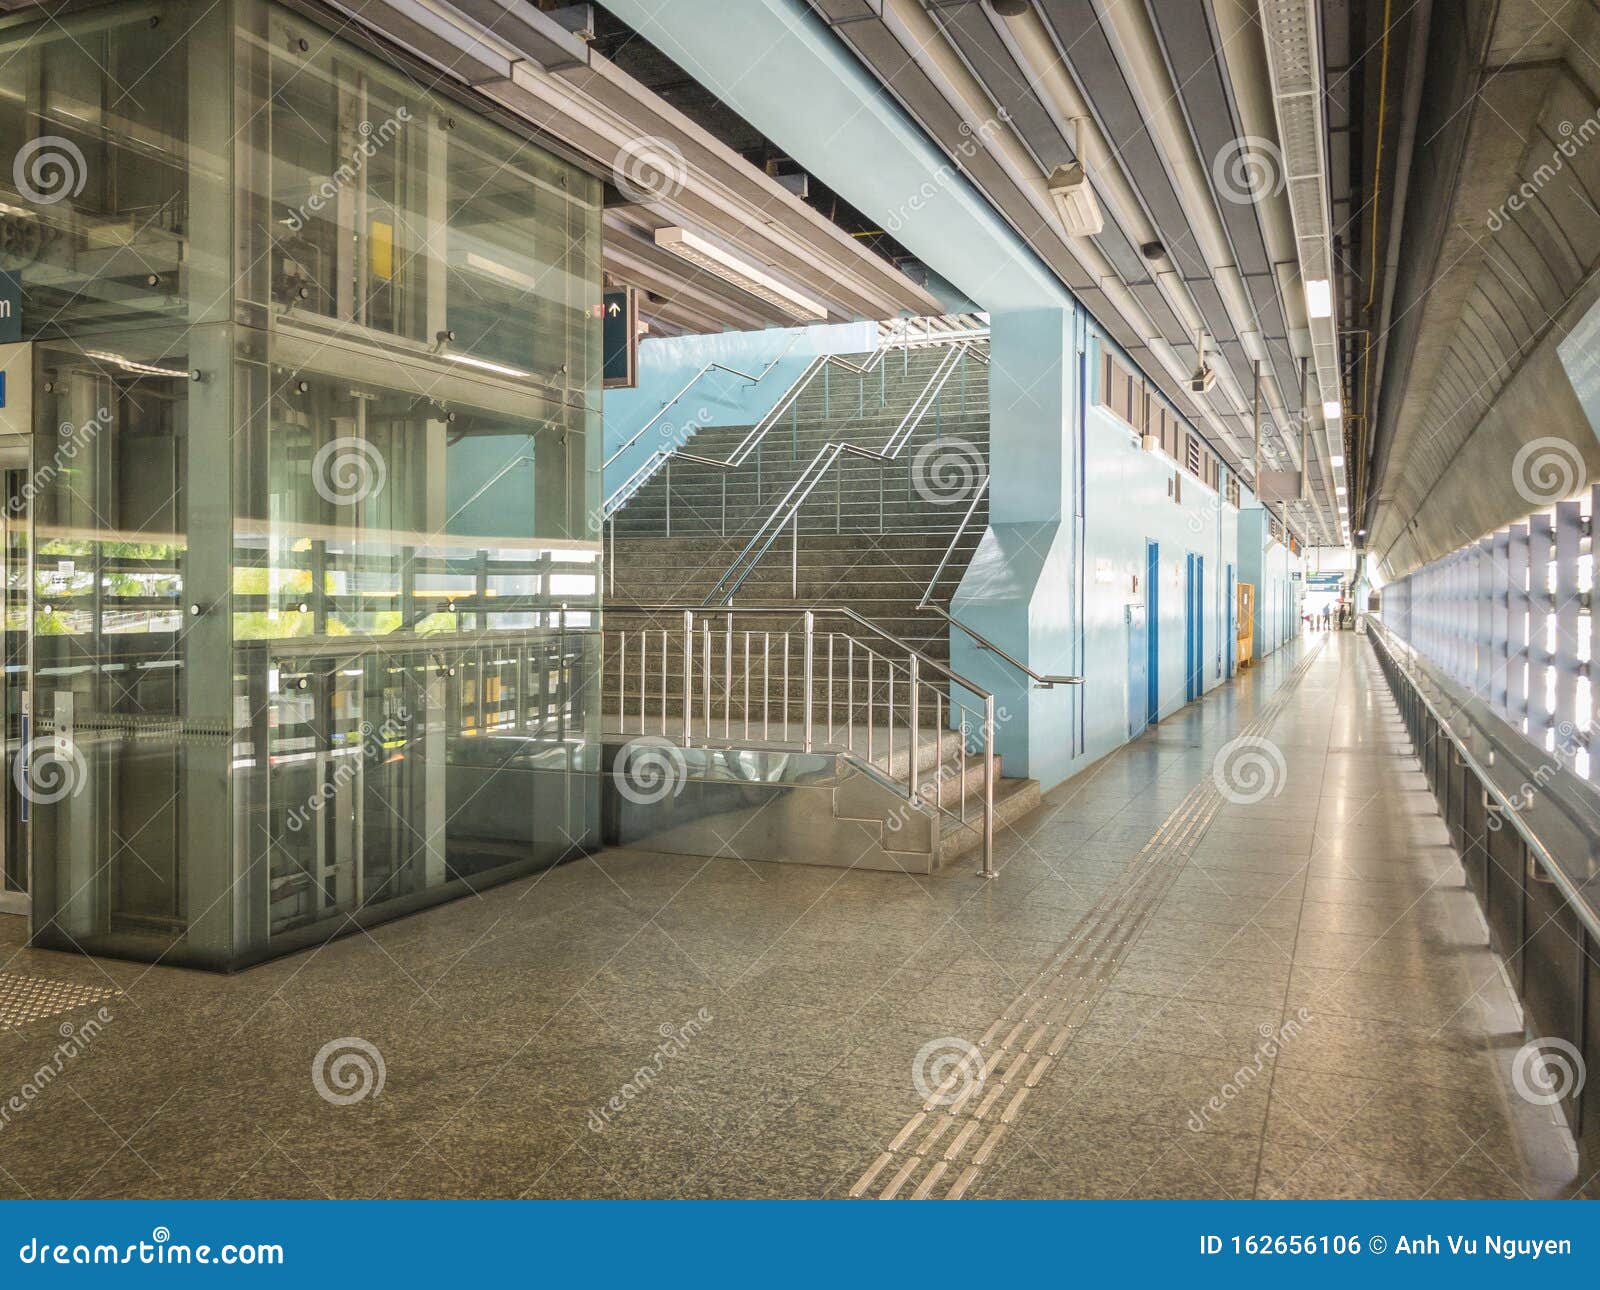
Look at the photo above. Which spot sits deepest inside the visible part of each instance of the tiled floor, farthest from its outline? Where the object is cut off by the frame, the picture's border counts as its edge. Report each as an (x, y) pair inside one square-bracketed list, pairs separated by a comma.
[(1305, 1007)]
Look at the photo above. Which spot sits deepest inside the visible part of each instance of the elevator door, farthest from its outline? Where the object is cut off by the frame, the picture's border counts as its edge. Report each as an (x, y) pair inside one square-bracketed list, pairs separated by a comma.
[(14, 689)]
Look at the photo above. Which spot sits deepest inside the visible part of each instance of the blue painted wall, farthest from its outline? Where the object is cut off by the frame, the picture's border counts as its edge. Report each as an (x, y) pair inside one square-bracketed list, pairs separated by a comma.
[(1128, 498), (718, 398), (1073, 497)]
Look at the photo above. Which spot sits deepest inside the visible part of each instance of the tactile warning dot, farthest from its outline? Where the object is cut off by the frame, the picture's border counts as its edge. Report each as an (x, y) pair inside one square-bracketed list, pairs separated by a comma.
[(30, 998)]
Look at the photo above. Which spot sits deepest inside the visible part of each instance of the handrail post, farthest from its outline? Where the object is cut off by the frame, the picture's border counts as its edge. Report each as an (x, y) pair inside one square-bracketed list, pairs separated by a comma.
[(808, 668), (913, 671), (988, 787), (688, 676), (794, 555), (669, 496)]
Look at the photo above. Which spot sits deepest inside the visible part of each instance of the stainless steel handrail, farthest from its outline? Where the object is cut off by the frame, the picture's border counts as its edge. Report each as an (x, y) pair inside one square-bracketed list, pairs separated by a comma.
[(789, 505), (1581, 904), (799, 611), (1046, 682), (1043, 681), (690, 383), (661, 456), (914, 663), (979, 491), (737, 457)]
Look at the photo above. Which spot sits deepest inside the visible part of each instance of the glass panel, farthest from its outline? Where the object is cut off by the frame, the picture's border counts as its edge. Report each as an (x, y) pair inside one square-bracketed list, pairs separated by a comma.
[(109, 570), (369, 203), (97, 220), (314, 577), (15, 654)]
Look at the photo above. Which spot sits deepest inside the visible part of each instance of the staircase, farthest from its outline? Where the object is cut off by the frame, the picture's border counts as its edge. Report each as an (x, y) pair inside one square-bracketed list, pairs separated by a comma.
[(869, 537)]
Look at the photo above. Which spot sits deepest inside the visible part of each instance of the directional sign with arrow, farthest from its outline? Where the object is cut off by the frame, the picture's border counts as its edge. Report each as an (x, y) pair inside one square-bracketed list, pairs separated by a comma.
[(621, 318)]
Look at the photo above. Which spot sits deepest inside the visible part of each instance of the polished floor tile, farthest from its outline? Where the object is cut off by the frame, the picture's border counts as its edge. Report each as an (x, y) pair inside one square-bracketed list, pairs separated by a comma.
[(1298, 1000)]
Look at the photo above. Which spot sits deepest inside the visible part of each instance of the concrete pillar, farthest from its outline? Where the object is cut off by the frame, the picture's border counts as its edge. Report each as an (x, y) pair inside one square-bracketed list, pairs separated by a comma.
[(1021, 589)]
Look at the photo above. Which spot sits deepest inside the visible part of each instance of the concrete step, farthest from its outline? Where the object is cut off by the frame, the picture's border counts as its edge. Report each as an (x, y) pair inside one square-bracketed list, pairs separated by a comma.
[(1013, 799)]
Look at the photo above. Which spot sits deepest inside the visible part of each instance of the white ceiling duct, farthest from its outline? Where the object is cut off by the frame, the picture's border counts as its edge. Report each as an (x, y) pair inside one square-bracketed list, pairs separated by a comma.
[(1294, 65)]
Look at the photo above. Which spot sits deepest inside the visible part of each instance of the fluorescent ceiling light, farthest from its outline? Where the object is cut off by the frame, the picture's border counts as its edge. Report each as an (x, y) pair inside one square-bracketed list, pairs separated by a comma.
[(1331, 409), (129, 365), (742, 274), (1075, 200), (1336, 461), (1339, 491), (1319, 298), (483, 364)]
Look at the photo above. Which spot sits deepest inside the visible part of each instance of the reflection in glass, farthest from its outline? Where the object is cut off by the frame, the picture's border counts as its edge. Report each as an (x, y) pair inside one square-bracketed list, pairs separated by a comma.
[(313, 566)]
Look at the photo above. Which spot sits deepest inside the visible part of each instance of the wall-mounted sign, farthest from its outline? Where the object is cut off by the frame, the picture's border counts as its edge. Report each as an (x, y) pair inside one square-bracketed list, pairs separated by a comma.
[(619, 310), (10, 308)]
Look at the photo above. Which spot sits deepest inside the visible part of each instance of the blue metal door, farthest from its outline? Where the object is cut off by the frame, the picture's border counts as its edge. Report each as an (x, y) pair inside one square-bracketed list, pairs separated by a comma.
[(1152, 618), (1138, 671), (1190, 661), (1229, 610), (1199, 617)]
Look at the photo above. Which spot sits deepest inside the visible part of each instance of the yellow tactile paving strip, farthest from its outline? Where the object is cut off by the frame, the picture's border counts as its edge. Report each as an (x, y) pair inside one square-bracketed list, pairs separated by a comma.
[(942, 1148), (25, 999)]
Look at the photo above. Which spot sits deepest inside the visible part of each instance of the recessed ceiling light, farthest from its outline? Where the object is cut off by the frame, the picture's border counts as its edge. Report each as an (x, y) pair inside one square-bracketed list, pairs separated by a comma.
[(1331, 409), (1339, 491), (1336, 460), (1319, 298), (742, 274)]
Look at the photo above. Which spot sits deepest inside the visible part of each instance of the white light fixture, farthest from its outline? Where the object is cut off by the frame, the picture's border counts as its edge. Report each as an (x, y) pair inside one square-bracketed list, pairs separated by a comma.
[(1339, 491), (742, 274), (484, 365), (1075, 200), (1319, 298), (1331, 409), (1336, 461)]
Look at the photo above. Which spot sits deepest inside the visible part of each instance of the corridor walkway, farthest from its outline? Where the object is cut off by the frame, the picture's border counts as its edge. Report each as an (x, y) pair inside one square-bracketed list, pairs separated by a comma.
[(1234, 959)]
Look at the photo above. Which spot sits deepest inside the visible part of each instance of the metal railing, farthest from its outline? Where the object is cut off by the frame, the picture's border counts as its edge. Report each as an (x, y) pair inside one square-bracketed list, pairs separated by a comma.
[(927, 604), (661, 459), (786, 514), (692, 382), (708, 678), (1528, 836)]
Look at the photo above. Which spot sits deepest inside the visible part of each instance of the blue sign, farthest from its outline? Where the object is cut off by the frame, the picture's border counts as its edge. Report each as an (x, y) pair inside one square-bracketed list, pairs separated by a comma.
[(10, 310), (711, 1244)]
